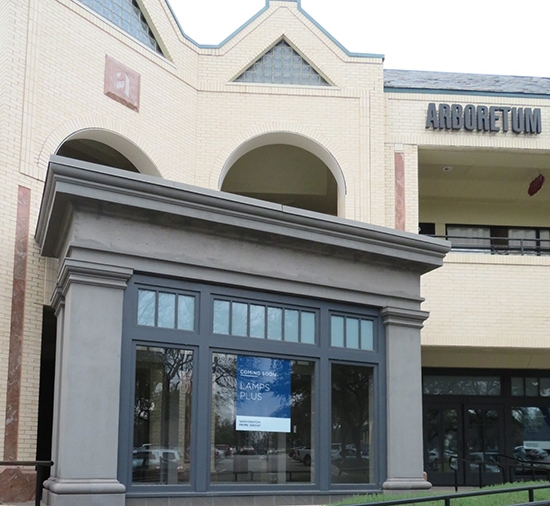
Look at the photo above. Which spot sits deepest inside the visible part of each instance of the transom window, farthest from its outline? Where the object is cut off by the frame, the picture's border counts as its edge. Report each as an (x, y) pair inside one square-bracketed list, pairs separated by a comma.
[(533, 386), (351, 332), (461, 385), (282, 65), (166, 310), (264, 321), (127, 15)]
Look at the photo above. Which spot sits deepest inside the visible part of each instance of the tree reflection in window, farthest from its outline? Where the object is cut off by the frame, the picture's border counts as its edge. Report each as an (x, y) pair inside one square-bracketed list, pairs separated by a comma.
[(352, 424), (259, 456), (162, 415)]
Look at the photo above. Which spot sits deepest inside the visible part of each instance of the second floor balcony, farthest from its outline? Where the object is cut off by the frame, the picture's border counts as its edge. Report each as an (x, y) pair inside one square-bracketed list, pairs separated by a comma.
[(497, 240), (486, 201)]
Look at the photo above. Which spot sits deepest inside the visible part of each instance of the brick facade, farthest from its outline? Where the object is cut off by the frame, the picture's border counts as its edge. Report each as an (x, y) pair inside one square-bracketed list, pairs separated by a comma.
[(192, 117)]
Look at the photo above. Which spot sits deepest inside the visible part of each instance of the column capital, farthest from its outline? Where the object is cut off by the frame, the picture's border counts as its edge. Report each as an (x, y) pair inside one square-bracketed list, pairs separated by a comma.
[(87, 273), (413, 318), (91, 273)]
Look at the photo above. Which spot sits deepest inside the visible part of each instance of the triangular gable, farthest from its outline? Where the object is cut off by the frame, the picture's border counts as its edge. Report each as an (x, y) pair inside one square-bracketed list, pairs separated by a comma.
[(282, 64), (127, 15)]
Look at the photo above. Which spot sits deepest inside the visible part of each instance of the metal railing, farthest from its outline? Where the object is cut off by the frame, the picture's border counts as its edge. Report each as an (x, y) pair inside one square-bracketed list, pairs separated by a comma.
[(509, 467), (498, 245), (515, 465), (446, 499), (40, 466)]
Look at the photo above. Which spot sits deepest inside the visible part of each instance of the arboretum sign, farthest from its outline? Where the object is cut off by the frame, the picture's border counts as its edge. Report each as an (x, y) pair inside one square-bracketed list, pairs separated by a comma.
[(482, 118)]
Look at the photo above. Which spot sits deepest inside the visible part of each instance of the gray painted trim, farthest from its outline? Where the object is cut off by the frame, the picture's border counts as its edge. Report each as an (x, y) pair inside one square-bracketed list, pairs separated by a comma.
[(89, 273), (257, 15), (86, 487), (404, 317), (69, 181)]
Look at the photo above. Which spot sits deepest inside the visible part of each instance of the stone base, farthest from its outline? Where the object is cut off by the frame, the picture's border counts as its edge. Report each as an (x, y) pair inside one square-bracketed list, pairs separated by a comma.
[(17, 485), (83, 492), (406, 484)]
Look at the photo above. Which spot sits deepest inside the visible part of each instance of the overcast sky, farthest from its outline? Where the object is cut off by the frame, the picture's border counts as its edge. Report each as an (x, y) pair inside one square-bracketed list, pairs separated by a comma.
[(478, 36)]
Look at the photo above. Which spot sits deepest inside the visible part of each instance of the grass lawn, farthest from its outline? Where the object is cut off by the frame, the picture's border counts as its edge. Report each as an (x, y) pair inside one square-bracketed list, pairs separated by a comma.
[(504, 499)]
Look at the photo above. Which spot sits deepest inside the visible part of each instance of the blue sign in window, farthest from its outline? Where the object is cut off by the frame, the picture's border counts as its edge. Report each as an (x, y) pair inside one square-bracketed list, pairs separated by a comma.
[(263, 394)]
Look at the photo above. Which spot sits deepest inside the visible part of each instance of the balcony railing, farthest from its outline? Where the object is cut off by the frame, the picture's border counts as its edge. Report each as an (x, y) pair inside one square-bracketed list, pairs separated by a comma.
[(498, 245)]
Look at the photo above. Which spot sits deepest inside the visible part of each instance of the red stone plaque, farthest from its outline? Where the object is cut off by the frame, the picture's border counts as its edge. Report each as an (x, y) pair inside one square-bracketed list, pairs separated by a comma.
[(121, 83)]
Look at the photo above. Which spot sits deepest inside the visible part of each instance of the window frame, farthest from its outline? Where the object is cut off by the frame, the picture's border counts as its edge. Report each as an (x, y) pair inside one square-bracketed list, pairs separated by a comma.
[(204, 343)]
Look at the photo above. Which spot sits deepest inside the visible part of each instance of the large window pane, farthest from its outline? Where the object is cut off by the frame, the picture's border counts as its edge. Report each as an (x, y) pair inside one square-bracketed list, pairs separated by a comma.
[(531, 441), (162, 415), (442, 439), (240, 399), (352, 424)]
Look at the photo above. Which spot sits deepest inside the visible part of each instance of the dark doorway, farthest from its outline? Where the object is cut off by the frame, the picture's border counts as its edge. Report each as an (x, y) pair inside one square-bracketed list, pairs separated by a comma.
[(465, 439), (489, 426), (46, 393)]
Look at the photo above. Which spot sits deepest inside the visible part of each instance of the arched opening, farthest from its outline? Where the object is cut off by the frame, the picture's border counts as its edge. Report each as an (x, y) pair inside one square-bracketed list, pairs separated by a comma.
[(107, 148), (88, 150), (104, 148), (286, 173)]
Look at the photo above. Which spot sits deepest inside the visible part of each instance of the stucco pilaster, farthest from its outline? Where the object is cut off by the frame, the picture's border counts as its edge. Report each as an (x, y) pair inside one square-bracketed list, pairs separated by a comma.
[(89, 302), (404, 398)]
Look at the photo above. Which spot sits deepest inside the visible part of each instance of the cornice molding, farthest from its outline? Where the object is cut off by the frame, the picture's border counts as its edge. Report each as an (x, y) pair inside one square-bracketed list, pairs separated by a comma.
[(70, 183), (89, 273), (399, 317)]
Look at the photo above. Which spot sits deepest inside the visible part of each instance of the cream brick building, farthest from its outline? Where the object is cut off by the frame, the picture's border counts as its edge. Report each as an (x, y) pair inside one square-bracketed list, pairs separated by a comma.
[(255, 206)]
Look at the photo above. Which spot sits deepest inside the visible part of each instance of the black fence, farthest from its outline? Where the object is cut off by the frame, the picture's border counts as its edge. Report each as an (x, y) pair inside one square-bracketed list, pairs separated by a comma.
[(447, 499)]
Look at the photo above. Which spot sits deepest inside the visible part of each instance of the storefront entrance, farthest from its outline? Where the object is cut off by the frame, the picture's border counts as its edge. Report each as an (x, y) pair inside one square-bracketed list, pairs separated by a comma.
[(464, 438), (486, 429)]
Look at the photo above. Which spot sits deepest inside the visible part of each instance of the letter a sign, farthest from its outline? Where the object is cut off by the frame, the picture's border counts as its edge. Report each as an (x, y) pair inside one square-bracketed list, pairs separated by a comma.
[(263, 394)]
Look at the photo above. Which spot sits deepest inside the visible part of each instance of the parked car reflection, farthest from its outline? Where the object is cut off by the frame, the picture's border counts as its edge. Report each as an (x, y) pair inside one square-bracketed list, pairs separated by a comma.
[(157, 465), (350, 461), (534, 458)]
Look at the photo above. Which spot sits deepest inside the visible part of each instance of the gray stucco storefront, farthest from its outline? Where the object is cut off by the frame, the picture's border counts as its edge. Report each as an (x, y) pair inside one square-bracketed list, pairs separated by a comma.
[(164, 287)]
